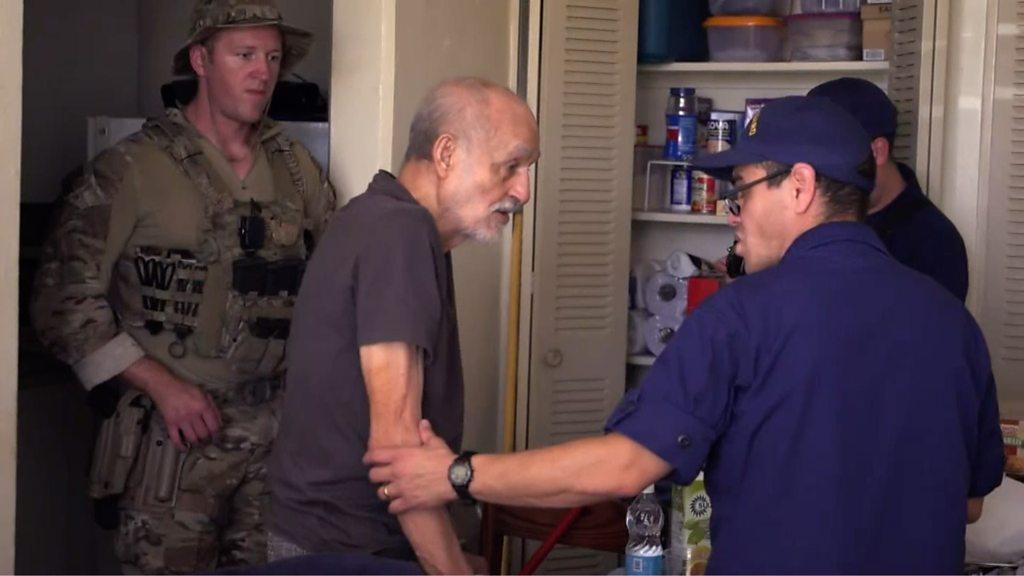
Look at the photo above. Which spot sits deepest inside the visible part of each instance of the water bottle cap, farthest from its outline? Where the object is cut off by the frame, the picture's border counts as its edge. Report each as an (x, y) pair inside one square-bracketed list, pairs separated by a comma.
[(649, 489), (675, 91), (689, 91)]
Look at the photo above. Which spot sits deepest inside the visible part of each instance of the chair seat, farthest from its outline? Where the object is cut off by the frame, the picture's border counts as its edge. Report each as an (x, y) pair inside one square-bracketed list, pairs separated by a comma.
[(599, 527)]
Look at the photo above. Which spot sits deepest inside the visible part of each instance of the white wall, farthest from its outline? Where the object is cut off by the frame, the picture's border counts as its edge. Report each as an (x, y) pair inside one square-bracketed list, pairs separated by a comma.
[(362, 93), (388, 54), (435, 41), (80, 59), (163, 27)]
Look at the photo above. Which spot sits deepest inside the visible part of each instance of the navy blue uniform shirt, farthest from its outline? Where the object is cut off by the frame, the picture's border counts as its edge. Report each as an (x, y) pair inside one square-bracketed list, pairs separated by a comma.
[(843, 409), (919, 235)]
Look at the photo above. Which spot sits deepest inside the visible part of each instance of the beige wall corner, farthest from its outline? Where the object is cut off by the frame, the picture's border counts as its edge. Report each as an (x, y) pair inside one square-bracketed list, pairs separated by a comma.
[(957, 182), (362, 93), (386, 55), (11, 15), (437, 40)]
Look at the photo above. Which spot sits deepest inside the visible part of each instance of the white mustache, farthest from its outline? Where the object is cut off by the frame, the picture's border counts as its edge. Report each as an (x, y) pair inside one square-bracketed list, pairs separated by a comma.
[(508, 206)]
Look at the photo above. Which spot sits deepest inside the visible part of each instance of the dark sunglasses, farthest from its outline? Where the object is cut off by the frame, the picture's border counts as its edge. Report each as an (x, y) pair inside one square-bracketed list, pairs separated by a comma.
[(732, 203)]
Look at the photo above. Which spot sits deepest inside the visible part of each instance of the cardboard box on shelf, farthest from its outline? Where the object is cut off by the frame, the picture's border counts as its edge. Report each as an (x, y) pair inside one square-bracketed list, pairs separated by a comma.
[(876, 12), (877, 31), (1013, 444)]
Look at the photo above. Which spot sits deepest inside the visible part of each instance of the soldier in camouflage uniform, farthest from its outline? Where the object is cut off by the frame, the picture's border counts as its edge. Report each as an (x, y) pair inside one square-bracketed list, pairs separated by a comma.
[(172, 273)]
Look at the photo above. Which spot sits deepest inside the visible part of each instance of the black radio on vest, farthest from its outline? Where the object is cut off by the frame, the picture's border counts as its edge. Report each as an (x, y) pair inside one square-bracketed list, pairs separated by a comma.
[(252, 230)]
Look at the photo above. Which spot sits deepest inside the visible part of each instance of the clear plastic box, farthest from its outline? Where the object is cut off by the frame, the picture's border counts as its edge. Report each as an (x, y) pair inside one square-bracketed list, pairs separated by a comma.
[(747, 7), (824, 6), (825, 37), (744, 38)]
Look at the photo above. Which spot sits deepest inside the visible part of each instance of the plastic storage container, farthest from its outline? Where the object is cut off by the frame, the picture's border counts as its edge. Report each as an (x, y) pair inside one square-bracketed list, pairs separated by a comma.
[(820, 6), (744, 38), (671, 30), (655, 38), (747, 7), (823, 37), (691, 38)]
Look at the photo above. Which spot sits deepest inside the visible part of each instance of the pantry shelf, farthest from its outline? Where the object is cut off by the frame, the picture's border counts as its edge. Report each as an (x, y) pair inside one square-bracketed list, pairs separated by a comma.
[(681, 218), (641, 359), (853, 67)]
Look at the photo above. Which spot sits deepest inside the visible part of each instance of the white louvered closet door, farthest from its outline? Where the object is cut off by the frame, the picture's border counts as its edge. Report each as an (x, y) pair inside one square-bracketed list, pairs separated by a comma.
[(907, 89), (1002, 303), (584, 177), (904, 71), (581, 234)]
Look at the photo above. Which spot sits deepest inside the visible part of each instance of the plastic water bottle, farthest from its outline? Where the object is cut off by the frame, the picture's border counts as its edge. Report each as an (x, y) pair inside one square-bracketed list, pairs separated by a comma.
[(644, 518), (681, 124)]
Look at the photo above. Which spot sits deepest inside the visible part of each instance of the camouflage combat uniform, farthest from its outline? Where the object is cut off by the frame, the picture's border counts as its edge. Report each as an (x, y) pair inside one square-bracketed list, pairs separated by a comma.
[(145, 261)]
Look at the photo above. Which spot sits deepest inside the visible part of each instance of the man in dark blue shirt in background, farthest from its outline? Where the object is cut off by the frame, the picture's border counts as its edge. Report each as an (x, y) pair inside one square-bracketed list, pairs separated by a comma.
[(841, 405), (912, 228)]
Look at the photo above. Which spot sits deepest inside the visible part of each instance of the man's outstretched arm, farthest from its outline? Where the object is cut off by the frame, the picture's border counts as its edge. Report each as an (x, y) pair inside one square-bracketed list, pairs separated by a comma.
[(571, 474)]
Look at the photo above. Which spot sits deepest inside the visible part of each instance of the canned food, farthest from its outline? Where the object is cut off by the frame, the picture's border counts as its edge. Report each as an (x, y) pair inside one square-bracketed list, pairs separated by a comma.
[(703, 193), (679, 191), (721, 130)]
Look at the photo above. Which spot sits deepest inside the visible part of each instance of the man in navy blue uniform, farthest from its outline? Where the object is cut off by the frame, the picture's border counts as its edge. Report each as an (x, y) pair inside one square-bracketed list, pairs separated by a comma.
[(912, 228), (841, 405)]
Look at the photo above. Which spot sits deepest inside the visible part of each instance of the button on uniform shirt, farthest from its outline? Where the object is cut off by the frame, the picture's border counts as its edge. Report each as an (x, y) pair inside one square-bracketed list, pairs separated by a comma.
[(843, 409), (919, 235)]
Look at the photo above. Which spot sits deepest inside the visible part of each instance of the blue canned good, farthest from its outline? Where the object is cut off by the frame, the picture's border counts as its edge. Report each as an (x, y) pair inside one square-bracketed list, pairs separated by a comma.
[(679, 196)]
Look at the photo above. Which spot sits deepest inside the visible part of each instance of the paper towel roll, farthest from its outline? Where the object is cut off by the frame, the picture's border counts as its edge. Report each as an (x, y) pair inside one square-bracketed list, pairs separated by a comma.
[(635, 343), (681, 265), (642, 273), (665, 295), (658, 331)]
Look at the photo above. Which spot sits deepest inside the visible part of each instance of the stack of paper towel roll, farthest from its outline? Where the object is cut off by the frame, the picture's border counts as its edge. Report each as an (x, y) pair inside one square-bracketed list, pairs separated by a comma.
[(660, 302)]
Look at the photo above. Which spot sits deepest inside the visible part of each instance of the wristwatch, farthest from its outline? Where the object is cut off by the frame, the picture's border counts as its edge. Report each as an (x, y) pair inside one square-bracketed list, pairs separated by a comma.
[(460, 474)]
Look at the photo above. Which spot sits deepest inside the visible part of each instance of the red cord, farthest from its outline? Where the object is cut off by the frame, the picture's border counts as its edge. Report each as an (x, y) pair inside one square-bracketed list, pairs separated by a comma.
[(563, 524)]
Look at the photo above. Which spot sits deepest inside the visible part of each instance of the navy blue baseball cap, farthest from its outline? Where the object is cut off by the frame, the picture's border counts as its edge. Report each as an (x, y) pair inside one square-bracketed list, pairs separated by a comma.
[(864, 101), (795, 129)]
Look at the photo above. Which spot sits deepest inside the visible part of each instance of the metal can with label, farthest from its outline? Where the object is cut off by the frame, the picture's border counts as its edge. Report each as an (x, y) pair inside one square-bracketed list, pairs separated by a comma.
[(721, 130), (703, 192), (679, 195)]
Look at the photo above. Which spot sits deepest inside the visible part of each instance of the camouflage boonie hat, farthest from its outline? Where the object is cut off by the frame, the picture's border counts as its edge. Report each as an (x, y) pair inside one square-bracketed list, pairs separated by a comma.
[(209, 16)]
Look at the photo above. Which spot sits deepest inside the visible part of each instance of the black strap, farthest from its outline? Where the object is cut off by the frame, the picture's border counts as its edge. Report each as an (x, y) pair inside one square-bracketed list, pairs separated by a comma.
[(463, 490)]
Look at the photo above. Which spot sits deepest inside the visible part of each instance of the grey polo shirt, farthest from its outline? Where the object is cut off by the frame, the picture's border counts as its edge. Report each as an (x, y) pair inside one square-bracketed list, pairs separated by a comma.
[(380, 274)]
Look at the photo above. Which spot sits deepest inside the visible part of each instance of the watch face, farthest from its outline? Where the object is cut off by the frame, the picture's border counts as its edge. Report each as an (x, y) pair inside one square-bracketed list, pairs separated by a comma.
[(459, 473)]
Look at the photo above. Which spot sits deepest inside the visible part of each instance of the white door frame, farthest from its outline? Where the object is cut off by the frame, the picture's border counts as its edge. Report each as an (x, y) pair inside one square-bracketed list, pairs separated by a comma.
[(11, 41)]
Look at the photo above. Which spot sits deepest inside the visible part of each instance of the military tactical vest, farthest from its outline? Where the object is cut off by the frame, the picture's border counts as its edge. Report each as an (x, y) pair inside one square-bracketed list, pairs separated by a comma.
[(232, 298)]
